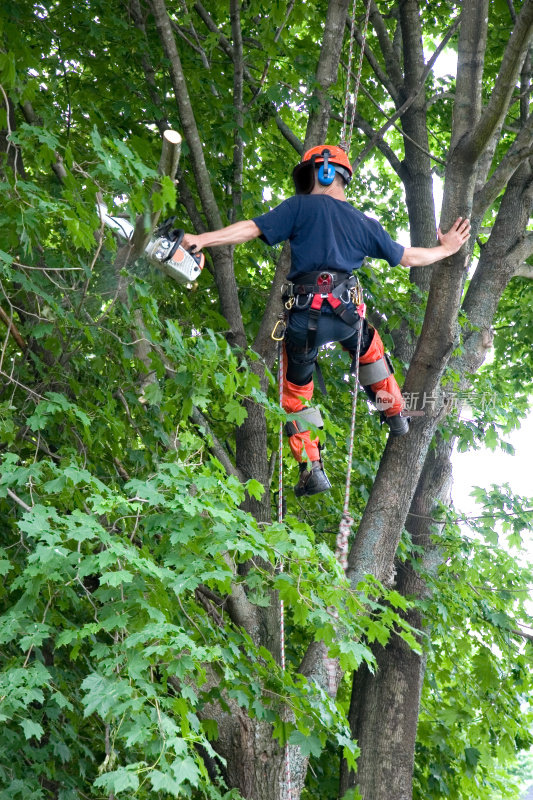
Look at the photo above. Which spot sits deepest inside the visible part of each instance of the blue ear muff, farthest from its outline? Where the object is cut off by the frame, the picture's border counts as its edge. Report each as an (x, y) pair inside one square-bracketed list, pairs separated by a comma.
[(326, 174)]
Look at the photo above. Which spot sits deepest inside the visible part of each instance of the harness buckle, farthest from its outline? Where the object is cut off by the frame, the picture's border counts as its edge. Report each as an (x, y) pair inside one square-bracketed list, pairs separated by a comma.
[(287, 290), (345, 297), (325, 283)]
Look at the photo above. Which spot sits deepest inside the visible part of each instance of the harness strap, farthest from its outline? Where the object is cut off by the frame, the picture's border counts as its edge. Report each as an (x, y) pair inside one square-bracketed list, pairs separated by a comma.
[(348, 315), (319, 378), (315, 282), (314, 316), (303, 420)]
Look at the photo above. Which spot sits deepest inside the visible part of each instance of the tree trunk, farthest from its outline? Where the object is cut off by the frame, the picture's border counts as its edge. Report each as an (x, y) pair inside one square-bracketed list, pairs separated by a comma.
[(384, 707)]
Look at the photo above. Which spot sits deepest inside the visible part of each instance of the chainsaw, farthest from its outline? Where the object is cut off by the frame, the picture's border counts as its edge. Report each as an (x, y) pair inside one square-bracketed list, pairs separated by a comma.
[(164, 249)]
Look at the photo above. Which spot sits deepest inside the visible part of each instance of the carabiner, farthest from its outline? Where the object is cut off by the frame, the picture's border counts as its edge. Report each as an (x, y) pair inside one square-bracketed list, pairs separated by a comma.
[(275, 333)]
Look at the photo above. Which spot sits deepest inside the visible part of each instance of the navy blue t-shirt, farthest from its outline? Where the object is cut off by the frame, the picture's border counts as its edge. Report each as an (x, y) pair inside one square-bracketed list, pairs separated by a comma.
[(326, 233)]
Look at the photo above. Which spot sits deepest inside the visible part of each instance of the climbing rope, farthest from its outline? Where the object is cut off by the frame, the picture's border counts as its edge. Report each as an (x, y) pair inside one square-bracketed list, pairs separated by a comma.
[(346, 140), (346, 522), (280, 519)]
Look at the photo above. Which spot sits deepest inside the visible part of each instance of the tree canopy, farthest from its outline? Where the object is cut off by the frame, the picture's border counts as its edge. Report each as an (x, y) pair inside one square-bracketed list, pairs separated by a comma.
[(142, 557)]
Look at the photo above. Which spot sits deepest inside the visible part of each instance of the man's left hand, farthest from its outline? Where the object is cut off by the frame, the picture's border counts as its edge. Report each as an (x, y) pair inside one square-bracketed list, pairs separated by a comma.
[(458, 234)]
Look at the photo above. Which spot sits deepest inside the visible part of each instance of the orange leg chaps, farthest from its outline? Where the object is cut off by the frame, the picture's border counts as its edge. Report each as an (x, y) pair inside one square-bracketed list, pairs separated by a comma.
[(301, 444), (388, 395)]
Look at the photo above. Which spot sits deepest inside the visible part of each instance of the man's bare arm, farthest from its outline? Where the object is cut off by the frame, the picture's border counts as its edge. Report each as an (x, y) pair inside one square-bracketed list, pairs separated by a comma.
[(238, 233)]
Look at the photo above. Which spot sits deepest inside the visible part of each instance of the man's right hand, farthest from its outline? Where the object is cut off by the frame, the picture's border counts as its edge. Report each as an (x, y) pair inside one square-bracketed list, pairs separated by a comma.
[(192, 242)]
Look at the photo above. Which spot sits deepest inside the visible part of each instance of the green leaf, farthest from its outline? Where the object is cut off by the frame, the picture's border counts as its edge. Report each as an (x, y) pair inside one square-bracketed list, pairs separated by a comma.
[(186, 770), (116, 578), (164, 782), (472, 755), (119, 780), (309, 744), (255, 489), (32, 729), (235, 412)]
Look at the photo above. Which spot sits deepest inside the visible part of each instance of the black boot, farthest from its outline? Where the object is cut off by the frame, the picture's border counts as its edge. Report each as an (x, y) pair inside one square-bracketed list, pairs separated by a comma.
[(398, 425), (312, 481)]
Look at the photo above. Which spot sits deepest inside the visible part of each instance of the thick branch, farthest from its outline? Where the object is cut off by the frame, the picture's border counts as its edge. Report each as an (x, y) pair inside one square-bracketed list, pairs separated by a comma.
[(33, 119), (263, 343), (409, 101), (168, 165), (392, 63), (376, 67), (289, 135), (520, 150), (222, 256), (507, 248), (471, 50), (506, 81), (238, 145), (188, 121), (326, 73), (526, 270), (361, 123)]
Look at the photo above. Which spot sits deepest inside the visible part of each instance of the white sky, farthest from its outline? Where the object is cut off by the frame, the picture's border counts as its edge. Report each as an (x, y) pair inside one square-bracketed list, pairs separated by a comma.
[(485, 467)]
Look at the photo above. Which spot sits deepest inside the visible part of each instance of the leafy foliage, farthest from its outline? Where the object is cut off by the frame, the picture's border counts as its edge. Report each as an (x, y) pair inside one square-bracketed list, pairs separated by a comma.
[(475, 713), (122, 532)]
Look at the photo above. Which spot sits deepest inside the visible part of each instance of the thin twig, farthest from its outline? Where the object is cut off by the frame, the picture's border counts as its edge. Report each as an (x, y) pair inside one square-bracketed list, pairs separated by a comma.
[(18, 500)]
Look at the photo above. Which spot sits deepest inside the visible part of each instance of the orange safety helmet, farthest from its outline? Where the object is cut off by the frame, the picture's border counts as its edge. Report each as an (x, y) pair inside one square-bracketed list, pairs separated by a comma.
[(331, 160)]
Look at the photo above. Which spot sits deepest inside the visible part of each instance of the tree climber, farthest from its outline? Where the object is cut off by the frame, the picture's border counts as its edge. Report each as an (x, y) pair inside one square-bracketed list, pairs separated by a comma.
[(328, 239)]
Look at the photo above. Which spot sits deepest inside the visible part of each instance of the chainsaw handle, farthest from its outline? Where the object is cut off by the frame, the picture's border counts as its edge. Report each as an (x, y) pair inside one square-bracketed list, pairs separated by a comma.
[(180, 233), (177, 235)]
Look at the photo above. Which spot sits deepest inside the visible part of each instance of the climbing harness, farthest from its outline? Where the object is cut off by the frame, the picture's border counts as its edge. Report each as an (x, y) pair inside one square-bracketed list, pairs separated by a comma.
[(346, 140), (335, 287)]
